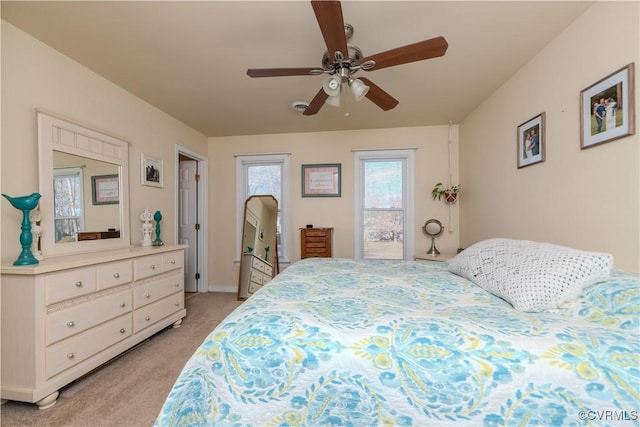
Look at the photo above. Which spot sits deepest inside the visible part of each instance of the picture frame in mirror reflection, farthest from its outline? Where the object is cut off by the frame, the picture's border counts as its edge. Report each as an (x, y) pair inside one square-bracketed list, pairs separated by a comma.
[(321, 180), (151, 171), (105, 189)]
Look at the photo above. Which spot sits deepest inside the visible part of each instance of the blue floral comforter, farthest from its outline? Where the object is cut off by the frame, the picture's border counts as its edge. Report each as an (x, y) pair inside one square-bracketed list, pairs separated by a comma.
[(370, 343)]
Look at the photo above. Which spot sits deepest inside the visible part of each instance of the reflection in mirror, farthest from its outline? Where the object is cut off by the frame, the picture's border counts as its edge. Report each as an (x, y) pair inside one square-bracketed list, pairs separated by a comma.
[(84, 197), (85, 188), (259, 257)]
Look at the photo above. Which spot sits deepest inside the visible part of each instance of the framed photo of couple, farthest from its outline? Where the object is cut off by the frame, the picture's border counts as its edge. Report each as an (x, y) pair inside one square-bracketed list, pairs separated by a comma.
[(607, 108), (531, 141)]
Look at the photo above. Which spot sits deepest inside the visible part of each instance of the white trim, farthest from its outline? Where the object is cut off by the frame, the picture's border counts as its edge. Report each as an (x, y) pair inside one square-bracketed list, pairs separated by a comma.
[(373, 150), (262, 154), (203, 203), (408, 197)]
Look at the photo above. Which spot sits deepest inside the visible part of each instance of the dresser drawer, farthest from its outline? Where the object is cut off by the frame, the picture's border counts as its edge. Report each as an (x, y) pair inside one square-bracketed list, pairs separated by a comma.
[(316, 233), (114, 274), (147, 266), (254, 287), (74, 350), (69, 284), (152, 313), (151, 292), (255, 276), (257, 264), (172, 260), (316, 250), (73, 320), (268, 270)]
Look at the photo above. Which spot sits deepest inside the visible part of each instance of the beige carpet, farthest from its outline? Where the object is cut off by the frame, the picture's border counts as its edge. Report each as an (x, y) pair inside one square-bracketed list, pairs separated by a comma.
[(129, 390)]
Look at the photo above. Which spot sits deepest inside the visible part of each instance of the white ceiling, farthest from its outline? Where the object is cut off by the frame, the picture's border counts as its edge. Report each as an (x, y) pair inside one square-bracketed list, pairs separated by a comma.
[(189, 59)]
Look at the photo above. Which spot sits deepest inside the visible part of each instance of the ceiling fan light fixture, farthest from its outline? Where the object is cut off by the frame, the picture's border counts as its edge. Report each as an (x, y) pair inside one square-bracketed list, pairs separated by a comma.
[(358, 89), (333, 100), (331, 85)]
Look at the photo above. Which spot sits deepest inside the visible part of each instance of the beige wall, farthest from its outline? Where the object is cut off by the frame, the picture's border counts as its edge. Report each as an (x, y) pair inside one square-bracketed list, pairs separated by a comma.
[(431, 161), (588, 199), (36, 76)]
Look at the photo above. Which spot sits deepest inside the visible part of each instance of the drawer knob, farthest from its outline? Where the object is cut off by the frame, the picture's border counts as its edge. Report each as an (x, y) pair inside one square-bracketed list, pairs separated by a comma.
[(147, 296), (70, 356), (147, 318), (177, 285), (116, 275), (177, 304), (173, 261), (152, 267), (71, 323), (122, 330), (123, 305), (79, 284)]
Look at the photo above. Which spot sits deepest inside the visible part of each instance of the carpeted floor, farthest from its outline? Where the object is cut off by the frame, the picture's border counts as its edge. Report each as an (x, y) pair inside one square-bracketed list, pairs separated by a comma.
[(129, 390)]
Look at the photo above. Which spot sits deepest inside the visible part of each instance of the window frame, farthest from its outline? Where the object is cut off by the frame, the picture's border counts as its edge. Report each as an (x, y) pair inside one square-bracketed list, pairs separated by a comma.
[(408, 158), (242, 163), (71, 172)]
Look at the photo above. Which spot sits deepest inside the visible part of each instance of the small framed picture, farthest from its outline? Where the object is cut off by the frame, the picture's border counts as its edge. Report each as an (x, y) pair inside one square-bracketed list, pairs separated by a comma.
[(531, 141), (607, 108), (105, 189), (321, 180), (151, 171)]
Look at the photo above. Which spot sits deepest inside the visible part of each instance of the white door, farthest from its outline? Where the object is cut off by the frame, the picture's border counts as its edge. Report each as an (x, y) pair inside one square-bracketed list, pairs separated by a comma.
[(188, 220)]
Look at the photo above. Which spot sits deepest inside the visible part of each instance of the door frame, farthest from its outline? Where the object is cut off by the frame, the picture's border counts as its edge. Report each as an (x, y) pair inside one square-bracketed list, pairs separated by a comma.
[(203, 202)]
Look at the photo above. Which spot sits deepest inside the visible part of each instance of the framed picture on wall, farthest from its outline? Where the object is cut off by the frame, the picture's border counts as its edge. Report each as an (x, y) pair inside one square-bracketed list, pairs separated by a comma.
[(607, 108), (321, 180), (105, 189), (531, 141), (151, 171)]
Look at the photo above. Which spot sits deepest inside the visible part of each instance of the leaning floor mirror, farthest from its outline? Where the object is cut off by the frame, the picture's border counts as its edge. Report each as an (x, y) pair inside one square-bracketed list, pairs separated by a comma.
[(259, 257)]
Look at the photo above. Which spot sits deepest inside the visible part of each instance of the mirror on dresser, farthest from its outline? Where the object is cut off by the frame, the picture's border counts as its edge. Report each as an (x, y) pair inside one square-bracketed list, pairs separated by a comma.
[(84, 186), (259, 256)]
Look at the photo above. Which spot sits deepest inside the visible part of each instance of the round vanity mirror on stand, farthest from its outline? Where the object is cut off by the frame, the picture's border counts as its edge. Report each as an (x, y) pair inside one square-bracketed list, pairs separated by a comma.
[(433, 228)]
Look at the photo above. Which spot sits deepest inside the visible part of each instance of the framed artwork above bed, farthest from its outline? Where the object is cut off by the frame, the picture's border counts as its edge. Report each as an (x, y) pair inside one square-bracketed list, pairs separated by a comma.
[(531, 141), (607, 108)]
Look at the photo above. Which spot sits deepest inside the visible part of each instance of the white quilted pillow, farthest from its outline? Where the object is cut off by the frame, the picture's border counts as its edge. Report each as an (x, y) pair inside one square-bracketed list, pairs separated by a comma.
[(532, 276)]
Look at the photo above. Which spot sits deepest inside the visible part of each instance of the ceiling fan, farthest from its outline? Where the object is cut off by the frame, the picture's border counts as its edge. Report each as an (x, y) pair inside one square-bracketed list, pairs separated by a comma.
[(342, 60)]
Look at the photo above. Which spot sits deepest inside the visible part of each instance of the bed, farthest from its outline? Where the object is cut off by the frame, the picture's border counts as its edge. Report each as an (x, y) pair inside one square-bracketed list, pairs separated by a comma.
[(354, 342)]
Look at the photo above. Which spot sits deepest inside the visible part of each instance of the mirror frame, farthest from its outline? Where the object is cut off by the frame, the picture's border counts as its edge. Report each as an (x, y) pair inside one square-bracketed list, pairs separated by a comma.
[(275, 263), (57, 134)]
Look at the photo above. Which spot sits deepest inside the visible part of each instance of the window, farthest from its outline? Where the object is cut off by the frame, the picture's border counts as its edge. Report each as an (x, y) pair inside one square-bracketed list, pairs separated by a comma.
[(67, 205), (384, 204), (265, 174)]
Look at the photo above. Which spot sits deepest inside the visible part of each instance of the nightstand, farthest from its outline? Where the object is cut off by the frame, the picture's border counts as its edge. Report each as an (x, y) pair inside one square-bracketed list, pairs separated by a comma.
[(444, 256), (315, 242)]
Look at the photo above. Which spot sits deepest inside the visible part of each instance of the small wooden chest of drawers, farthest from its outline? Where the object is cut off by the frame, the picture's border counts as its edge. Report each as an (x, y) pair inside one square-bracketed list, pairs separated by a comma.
[(316, 242)]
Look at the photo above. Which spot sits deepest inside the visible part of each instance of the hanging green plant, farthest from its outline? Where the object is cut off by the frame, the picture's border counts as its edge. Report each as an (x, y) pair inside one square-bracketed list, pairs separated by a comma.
[(450, 193)]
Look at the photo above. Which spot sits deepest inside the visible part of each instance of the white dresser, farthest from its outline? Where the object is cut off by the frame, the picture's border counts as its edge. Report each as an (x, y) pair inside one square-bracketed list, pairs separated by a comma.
[(255, 273), (70, 314)]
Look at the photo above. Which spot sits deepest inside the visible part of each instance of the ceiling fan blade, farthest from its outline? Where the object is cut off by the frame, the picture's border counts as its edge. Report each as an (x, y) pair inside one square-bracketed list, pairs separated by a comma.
[(278, 72), (316, 103), (426, 49), (329, 16), (378, 96)]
